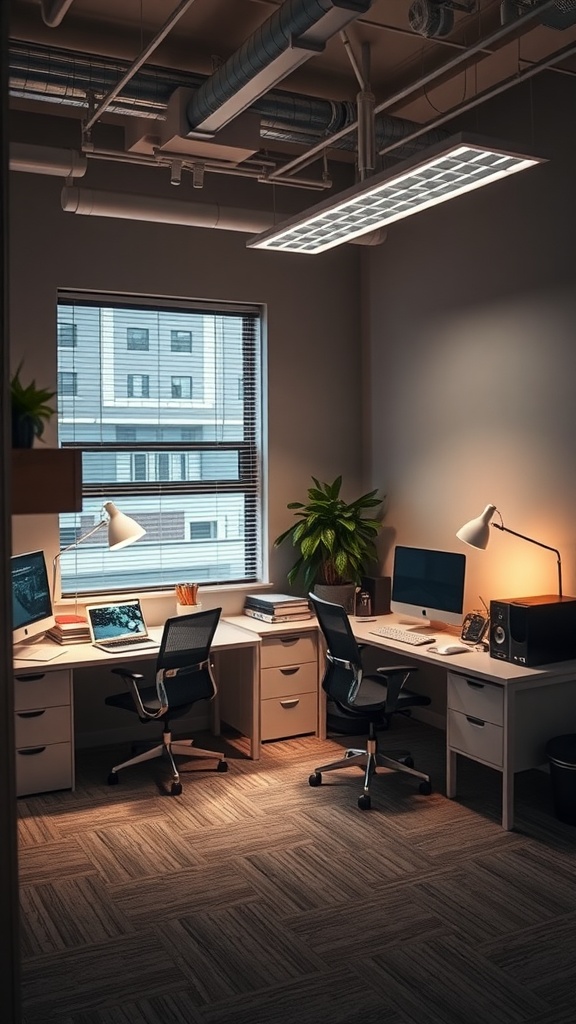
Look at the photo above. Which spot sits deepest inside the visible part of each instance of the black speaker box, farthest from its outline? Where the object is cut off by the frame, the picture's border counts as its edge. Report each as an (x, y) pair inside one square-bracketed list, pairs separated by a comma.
[(379, 589), (533, 630)]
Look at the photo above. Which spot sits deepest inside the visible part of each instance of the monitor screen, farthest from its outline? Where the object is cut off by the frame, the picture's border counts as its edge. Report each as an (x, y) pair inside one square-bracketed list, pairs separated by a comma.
[(31, 603), (428, 585)]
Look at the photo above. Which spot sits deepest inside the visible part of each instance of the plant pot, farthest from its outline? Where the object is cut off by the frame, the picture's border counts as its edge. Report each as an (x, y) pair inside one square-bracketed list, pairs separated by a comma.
[(344, 594), (23, 431)]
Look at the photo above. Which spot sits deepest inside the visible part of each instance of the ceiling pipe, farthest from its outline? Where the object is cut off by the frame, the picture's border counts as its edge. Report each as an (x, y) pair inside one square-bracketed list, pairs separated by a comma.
[(65, 163), (127, 206), (53, 11)]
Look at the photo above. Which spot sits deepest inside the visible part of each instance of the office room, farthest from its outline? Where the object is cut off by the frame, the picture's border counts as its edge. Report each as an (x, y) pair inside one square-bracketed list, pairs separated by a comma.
[(435, 366)]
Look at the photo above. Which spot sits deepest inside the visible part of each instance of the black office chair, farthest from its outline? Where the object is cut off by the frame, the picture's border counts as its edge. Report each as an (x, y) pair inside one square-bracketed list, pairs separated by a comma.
[(363, 696), (183, 676)]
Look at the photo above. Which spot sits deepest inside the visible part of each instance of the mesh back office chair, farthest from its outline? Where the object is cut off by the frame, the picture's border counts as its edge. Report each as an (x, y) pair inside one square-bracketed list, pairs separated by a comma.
[(183, 676), (362, 696)]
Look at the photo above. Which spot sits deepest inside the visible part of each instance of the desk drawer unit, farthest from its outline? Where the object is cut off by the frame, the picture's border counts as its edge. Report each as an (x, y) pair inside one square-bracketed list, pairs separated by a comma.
[(43, 731), (288, 686), (476, 719)]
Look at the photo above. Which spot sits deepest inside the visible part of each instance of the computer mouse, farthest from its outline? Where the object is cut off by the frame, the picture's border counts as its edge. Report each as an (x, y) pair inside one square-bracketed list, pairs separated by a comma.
[(451, 649)]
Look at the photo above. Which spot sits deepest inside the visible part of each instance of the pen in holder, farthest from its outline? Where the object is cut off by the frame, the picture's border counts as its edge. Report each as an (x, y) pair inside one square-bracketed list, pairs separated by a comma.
[(187, 599)]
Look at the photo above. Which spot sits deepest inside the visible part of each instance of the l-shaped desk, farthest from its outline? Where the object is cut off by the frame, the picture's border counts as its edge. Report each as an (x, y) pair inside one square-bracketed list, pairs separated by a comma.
[(498, 714)]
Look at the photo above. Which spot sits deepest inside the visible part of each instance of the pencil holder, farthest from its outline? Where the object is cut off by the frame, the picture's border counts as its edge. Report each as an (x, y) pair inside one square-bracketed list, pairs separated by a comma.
[(188, 609)]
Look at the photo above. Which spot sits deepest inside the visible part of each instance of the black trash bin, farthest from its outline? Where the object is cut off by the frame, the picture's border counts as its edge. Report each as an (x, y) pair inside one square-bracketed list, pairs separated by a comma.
[(561, 754)]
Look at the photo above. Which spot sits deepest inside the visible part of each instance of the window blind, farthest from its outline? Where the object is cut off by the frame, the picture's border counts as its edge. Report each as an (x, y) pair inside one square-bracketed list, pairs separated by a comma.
[(164, 399)]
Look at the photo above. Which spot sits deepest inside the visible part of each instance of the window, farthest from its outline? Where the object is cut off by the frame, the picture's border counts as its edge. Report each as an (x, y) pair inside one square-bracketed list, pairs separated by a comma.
[(67, 382), (189, 472), (67, 335), (138, 385), (181, 341), (181, 387), (137, 339)]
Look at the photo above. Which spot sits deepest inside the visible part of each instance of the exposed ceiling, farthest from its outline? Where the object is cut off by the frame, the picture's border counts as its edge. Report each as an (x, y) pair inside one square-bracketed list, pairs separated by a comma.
[(238, 87)]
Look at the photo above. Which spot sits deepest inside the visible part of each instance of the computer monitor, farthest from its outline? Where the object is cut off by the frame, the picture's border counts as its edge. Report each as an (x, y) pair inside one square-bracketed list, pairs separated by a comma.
[(31, 603), (428, 585)]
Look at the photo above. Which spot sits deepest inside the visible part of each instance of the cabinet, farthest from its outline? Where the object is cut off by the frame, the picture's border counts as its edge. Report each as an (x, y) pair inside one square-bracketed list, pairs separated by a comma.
[(43, 730), (476, 719), (46, 480)]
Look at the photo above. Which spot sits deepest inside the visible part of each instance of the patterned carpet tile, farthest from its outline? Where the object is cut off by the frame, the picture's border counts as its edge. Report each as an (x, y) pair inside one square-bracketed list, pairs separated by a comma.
[(181, 893), (47, 926), (169, 1008), (92, 977), (140, 850), (51, 861), (213, 844), (414, 975), (541, 958)]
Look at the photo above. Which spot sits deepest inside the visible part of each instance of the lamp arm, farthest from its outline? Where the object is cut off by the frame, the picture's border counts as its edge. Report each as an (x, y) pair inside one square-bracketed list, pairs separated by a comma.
[(500, 526), (103, 522)]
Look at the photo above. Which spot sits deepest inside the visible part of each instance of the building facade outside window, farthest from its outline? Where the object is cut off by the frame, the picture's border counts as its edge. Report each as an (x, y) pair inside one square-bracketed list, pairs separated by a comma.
[(67, 335), (177, 445), (137, 339)]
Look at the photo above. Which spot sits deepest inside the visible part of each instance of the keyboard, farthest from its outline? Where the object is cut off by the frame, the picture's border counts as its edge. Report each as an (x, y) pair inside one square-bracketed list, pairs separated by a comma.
[(404, 636), (126, 644)]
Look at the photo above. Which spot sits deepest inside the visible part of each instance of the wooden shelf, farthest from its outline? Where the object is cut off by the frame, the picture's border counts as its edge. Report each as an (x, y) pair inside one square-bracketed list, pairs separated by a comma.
[(46, 480)]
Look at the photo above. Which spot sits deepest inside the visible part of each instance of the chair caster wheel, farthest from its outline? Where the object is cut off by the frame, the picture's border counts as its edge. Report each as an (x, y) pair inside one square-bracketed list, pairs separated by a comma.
[(176, 789), (364, 802), (425, 788), (408, 761), (315, 779), (222, 766), (113, 779)]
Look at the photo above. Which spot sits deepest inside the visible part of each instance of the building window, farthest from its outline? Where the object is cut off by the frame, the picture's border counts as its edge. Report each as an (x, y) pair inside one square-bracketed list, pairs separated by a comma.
[(207, 530), (181, 387), (137, 339), (190, 472), (181, 341), (138, 385), (67, 335), (67, 382)]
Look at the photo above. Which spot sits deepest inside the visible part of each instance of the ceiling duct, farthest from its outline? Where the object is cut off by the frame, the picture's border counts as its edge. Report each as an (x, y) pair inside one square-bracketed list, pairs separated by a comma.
[(430, 19), (560, 15)]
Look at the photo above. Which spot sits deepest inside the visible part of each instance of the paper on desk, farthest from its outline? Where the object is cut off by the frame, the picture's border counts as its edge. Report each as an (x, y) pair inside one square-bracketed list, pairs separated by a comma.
[(40, 655)]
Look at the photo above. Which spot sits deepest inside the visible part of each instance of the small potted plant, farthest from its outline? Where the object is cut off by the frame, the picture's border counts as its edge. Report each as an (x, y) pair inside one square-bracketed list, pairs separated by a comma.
[(30, 411), (336, 541)]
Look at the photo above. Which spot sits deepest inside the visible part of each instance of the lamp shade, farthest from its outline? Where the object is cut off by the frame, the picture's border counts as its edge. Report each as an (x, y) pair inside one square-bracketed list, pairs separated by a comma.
[(477, 531), (122, 530)]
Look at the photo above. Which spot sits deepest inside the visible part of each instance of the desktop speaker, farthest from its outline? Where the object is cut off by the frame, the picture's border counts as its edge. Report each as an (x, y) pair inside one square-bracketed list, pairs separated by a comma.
[(533, 630), (379, 589)]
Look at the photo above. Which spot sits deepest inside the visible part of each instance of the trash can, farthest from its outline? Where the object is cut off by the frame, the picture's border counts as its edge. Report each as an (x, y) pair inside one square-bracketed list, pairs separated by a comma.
[(561, 754)]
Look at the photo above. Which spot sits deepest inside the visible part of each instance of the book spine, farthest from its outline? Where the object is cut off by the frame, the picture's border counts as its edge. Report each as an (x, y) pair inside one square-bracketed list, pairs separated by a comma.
[(267, 617), (277, 609)]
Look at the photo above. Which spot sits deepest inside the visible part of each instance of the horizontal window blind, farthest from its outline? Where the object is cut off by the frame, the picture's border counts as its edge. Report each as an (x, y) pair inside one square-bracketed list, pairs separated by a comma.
[(164, 399)]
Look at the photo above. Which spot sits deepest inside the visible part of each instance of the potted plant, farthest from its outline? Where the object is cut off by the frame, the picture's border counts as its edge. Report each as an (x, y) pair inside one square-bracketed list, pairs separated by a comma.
[(335, 540), (30, 410)]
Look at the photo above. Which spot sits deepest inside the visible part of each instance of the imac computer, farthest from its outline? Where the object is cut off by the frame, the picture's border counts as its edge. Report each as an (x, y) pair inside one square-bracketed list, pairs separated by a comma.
[(31, 602), (428, 585)]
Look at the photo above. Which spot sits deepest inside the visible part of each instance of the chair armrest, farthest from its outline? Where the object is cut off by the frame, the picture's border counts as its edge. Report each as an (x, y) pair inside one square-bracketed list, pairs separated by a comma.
[(396, 676), (132, 679)]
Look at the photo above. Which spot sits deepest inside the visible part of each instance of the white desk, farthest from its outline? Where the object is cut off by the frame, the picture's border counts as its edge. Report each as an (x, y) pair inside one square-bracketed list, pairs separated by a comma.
[(44, 702), (498, 713)]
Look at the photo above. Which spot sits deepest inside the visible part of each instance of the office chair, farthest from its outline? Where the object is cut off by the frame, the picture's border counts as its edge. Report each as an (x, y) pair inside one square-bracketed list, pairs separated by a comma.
[(363, 696), (183, 676)]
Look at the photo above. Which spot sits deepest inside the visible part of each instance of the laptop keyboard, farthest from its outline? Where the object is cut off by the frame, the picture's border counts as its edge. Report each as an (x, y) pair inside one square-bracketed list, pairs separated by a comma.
[(126, 642)]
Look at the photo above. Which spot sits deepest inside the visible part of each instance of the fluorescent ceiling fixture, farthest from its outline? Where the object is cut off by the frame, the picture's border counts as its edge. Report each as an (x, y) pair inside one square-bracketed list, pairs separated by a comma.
[(457, 165)]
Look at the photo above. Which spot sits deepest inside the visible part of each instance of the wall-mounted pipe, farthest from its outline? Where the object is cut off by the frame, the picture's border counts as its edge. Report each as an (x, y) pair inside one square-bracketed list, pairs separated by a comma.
[(128, 206), (53, 11), (64, 163)]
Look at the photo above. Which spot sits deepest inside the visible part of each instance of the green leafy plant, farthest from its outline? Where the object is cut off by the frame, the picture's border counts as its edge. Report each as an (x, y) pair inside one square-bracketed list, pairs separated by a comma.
[(336, 539), (30, 406)]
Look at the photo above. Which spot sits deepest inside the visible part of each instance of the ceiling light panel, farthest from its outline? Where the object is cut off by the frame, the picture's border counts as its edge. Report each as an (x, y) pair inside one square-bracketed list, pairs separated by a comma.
[(459, 165)]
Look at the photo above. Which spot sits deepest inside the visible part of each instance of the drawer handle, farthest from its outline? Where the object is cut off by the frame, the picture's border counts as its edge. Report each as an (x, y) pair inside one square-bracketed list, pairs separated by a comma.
[(31, 750), (474, 685), (290, 671), (31, 714), (31, 679), (289, 640), (476, 721), (290, 703)]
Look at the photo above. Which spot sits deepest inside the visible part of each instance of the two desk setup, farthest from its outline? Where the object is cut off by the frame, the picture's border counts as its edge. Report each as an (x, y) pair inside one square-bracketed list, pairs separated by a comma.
[(499, 714)]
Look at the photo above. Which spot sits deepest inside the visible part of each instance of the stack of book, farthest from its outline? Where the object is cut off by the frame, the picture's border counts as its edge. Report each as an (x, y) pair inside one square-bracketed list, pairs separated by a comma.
[(70, 629), (276, 607)]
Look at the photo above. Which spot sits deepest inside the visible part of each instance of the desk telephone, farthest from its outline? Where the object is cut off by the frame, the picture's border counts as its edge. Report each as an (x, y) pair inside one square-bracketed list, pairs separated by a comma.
[(474, 628)]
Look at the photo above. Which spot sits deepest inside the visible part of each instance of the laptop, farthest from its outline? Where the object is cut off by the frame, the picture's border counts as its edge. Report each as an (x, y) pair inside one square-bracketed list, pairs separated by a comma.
[(119, 627)]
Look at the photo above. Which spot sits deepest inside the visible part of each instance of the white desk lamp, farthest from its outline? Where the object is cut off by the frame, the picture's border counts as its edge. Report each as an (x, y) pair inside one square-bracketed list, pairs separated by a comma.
[(122, 530), (477, 534)]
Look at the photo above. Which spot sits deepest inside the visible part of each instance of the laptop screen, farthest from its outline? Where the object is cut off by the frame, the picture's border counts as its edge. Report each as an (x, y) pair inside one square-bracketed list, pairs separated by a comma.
[(116, 621)]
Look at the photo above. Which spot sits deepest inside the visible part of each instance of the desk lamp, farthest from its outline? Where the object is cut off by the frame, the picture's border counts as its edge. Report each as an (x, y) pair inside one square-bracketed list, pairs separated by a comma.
[(477, 534), (122, 530)]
